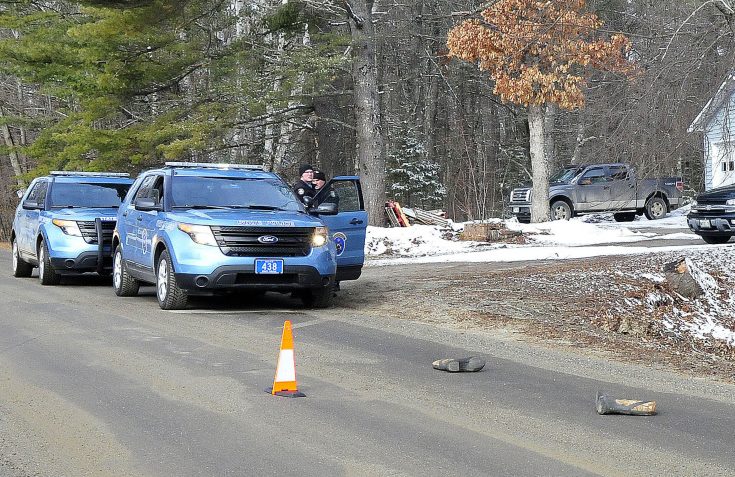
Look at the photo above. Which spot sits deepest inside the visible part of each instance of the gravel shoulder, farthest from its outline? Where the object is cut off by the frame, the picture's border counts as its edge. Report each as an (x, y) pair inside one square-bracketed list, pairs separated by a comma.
[(578, 306)]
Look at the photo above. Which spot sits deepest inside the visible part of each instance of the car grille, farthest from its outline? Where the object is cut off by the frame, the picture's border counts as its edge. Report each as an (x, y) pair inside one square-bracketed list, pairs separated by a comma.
[(89, 231), (243, 241), (520, 195)]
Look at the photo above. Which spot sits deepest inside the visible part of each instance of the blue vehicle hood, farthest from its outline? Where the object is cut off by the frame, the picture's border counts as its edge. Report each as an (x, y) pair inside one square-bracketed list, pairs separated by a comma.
[(251, 218), (85, 214)]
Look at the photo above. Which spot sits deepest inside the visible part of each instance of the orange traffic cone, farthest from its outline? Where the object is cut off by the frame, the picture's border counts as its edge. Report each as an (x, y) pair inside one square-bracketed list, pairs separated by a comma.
[(284, 384)]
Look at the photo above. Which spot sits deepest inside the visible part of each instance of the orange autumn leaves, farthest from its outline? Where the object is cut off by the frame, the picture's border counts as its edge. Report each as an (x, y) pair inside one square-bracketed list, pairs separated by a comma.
[(539, 51)]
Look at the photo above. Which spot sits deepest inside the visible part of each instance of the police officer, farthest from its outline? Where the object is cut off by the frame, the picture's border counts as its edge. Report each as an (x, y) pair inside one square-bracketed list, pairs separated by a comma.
[(304, 187), (328, 196)]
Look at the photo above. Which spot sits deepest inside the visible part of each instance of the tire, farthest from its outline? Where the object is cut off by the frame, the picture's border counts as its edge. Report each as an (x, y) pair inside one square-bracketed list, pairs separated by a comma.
[(322, 297), (656, 208), (46, 273), (716, 239), (21, 268), (170, 296), (624, 217), (122, 282), (560, 210)]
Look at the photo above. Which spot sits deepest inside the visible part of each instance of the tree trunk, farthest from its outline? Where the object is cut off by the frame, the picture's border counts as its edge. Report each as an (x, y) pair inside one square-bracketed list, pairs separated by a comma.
[(369, 137), (539, 166), (15, 159)]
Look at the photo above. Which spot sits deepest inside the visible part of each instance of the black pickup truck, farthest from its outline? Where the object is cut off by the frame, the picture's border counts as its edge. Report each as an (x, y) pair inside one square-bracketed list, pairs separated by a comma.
[(593, 188), (712, 216)]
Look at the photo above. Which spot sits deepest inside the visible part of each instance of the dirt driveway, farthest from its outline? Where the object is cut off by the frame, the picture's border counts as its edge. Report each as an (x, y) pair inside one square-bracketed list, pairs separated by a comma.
[(572, 304)]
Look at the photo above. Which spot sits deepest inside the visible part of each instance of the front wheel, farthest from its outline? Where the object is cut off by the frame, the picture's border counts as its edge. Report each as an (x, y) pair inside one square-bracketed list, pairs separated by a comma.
[(322, 297), (656, 208), (46, 273), (122, 282), (561, 210), (21, 268), (716, 239), (170, 296)]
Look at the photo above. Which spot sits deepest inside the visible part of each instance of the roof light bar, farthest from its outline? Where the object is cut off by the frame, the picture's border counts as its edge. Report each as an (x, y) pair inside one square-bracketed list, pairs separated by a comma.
[(90, 174), (210, 165)]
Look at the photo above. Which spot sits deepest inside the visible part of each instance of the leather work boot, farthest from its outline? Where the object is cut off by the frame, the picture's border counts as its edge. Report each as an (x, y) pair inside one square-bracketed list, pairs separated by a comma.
[(452, 365)]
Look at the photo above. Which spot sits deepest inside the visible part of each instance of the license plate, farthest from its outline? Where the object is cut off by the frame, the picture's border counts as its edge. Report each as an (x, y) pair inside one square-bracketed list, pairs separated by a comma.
[(516, 210), (268, 267), (705, 224)]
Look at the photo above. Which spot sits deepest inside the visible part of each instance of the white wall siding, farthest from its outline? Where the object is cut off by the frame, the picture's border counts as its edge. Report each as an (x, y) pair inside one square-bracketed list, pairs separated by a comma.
[(719, 147)]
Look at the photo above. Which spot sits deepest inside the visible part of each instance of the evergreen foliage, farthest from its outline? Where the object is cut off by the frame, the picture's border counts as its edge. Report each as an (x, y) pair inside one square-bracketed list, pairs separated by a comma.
[(145, 81), (411, 178)]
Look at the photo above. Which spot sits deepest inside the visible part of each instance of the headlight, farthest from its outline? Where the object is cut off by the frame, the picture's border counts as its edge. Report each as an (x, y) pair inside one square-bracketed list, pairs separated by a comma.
[(69, 227), (730, 202), (200, 234), (320, 237)]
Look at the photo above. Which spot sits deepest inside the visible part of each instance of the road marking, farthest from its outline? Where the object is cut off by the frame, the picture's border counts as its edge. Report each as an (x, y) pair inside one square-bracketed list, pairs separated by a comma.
[(304, 324), (230, 312)]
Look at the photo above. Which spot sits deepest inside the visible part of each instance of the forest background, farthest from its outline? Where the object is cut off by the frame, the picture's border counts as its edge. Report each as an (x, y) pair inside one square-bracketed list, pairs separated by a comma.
[(350, 86)]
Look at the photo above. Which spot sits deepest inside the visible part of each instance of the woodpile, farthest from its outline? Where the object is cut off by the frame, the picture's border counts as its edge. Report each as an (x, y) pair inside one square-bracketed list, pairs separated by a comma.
[(403, 216), (491, 232)]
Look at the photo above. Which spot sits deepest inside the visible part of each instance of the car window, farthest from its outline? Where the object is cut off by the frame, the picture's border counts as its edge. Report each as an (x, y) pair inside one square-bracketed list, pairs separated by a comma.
[(595, 175), (35, 192), (618, 173), (236, 192), (145, 188), (347, 195), (155, 193), (87, 194)]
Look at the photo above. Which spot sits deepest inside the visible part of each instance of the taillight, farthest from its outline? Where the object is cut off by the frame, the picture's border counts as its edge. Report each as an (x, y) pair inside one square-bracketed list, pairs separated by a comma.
[(680, 185)]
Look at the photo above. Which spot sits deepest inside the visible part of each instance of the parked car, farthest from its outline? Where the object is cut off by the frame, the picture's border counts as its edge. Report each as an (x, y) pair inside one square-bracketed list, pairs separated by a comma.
[(594, 188), (712, 215), (64, 222), (200, 229)]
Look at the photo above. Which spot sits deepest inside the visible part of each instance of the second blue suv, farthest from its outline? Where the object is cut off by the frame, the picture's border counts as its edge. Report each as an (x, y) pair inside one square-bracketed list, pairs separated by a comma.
[(64, 223), (199, 229)]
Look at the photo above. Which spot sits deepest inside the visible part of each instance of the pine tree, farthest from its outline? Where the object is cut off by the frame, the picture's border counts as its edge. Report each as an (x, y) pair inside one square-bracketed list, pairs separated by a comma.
[(139, 82), (412, 179)]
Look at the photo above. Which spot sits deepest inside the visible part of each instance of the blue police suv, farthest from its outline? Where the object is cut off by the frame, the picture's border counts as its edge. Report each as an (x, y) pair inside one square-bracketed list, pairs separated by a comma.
[(64, 223), (201, 229)]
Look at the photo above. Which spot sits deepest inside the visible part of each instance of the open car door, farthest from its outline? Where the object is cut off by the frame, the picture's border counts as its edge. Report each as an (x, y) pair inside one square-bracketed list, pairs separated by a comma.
[(349, 226)]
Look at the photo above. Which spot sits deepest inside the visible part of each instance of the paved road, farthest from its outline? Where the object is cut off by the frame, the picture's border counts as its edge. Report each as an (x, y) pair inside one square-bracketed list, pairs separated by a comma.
[(93, 384)]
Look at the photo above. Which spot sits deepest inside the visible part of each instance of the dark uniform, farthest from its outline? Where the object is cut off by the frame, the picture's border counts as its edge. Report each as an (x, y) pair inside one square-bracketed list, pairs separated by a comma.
[(327, 196), (302, 189)]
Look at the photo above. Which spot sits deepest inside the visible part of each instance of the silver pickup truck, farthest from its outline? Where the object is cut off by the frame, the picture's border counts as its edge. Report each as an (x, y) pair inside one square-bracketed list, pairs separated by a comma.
[(594, 188)]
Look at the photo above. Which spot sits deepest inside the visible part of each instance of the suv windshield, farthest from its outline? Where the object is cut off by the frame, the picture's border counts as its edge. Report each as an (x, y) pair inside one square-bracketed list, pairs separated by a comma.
[(565, 175), (232, 192), (87, 194)]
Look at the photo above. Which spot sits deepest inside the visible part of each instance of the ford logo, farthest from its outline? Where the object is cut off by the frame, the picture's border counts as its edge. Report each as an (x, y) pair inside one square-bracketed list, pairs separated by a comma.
[(267, 239)]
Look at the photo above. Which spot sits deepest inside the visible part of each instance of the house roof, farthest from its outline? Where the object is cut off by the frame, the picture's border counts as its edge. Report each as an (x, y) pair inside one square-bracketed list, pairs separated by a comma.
[(713, 105)]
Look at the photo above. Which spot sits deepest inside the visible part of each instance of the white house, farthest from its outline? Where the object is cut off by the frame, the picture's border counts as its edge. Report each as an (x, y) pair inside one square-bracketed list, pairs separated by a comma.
[(717, 123)]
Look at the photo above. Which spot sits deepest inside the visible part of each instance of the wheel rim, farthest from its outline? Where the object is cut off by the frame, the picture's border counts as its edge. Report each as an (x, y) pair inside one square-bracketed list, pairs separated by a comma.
[(162, 279), (657, 209), (560, 213), (15, 256), (41, 262), (117, 271)]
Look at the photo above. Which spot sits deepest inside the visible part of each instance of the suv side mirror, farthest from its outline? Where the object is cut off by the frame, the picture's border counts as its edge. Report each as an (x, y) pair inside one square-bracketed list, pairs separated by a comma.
[(146, 204), (308, 201), (327, 208), (31, 205), (20, 193)]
